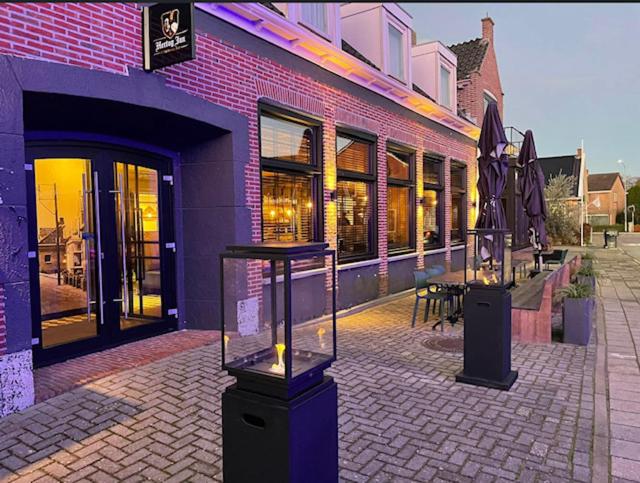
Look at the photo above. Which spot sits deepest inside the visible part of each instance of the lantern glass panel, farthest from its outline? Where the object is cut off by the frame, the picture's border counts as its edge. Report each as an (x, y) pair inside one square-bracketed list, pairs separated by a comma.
[(490, 258), (300, 340)]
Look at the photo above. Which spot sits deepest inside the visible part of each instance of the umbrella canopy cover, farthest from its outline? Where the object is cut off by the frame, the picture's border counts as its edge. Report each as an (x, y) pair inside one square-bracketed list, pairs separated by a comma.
[(493, 166), (532, 189)]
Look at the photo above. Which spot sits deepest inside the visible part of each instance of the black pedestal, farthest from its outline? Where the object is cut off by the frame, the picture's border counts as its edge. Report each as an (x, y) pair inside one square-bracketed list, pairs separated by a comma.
[(266, 439), (487, 338)]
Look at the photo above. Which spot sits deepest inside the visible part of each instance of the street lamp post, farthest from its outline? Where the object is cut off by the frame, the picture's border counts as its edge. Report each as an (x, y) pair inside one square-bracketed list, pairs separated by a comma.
[(624, 185)]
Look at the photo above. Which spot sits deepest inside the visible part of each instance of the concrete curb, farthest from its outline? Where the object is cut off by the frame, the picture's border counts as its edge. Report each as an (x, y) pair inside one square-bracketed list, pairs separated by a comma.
[(601, 449)]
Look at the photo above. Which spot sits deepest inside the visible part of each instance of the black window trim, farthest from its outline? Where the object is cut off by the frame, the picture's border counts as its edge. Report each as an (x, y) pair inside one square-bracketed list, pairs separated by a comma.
[(463, 192), (439, 188), (313, 170), (410, 183), (371, 180)]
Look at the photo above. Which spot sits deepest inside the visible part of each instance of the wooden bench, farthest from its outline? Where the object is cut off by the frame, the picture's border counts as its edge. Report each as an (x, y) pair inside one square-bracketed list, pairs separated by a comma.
[(532, 303)]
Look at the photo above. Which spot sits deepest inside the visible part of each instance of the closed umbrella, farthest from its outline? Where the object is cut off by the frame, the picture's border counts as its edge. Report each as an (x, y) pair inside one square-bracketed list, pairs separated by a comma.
[(532, 189), (493, 166)]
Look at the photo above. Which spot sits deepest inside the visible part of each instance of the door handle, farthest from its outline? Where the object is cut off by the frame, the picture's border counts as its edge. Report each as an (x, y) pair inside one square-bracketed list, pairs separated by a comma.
[(87, 275), (96, 190), (125, 274)]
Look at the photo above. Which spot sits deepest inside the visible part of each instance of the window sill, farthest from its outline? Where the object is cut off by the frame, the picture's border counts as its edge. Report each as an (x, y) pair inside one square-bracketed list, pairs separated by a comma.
[(297, 275), (457, 246), (403, 256), (360, 264), (434, 251)]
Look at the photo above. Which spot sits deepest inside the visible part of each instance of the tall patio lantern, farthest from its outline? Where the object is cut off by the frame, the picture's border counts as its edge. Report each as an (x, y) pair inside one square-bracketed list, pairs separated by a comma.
[(280, 419), (490, 258), (487, 311)]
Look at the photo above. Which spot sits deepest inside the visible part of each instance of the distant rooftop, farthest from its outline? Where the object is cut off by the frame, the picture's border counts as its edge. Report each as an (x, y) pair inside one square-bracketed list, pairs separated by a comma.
[(470, 56), (556, 165), (602, 181)]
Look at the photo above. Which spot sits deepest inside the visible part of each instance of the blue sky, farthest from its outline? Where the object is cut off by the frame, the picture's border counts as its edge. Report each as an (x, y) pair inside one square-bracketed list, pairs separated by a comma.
[(569, 71)]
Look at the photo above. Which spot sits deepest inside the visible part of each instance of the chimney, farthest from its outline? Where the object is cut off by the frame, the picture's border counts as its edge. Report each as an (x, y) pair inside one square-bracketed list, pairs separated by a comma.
[(487, 29), (579, 153)]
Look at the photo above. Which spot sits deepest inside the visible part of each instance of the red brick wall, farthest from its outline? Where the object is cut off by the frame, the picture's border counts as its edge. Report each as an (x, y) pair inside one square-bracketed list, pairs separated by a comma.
[(471, 91), (107, 37), (3, 324)]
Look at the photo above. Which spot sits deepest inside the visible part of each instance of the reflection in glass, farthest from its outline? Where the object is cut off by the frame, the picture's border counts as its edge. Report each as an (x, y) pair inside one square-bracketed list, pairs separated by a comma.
[(399, 211), (431, 212), (287, 207), (354, 215), (284, 140), (137, 222), (66, 250)]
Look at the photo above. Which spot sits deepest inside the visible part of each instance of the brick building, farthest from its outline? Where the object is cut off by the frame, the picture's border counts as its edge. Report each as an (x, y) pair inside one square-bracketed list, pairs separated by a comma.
[(606, 198), (287, 126), (478, 74)]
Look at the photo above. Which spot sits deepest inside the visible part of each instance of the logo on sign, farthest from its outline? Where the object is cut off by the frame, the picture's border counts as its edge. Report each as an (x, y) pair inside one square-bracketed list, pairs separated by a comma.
[(170, 23)]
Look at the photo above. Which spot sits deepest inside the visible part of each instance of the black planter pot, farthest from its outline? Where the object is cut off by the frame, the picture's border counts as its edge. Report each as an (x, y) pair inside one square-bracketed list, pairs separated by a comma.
[(577, 319)]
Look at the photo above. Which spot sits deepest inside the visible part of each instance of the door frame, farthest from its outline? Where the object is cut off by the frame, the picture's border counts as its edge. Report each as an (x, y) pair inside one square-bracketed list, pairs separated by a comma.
[(103, 156)]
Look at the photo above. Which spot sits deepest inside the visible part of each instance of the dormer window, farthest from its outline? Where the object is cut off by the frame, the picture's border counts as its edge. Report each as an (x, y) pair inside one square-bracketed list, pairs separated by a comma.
[(314, 15), (488, 98), (445, 87), (396, 53)]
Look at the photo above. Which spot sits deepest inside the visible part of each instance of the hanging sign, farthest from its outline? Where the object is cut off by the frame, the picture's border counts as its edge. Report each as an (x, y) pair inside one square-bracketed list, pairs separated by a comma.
[(168, 35)]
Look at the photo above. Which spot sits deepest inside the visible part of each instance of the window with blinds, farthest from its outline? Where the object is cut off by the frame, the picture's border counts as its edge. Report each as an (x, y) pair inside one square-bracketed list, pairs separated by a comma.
[(400, 200), (355, 198), (284, 140), (287, 207), (458, 178), (290, 181), (432, 206)]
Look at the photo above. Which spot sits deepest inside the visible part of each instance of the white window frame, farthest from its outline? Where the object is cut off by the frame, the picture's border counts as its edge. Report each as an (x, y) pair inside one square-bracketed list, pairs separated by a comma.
[(390, 20), (448, 87), (293, 12), (485, 94)]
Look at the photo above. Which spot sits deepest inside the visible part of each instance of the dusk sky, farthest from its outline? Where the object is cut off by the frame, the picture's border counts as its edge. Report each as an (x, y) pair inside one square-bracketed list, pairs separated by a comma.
[(569, 72)]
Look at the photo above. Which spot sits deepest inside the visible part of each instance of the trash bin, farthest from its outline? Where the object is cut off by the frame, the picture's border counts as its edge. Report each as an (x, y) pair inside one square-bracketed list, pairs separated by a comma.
[(610, 239)]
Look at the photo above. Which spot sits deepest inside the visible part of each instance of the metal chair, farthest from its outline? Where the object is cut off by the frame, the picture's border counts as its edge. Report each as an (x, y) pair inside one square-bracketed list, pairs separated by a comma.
[(427, 292)]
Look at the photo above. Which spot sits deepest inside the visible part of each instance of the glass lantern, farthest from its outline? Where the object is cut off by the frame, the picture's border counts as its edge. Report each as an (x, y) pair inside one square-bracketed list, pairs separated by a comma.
[(278, 330), (489, 264)]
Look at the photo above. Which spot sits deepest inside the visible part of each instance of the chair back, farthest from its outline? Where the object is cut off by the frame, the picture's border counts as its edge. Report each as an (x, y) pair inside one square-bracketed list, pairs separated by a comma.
[(421, 278)]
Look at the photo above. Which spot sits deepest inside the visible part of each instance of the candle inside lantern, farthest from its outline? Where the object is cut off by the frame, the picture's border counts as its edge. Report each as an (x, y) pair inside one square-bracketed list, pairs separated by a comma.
[(226, 342), (279, 367), (321, 332)]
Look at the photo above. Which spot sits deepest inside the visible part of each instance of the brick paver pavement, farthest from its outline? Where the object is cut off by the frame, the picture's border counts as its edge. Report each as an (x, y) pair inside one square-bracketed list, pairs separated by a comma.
[(620, 297), (402, 416)]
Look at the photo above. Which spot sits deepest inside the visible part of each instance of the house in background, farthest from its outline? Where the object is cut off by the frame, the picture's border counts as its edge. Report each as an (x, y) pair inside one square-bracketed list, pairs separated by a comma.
[(569, 165), (478, 75), (606, 198)]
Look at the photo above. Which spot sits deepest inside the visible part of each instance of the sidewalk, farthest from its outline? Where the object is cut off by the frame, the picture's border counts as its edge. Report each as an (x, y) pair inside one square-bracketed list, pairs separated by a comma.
[(402, 416), (620, 295)]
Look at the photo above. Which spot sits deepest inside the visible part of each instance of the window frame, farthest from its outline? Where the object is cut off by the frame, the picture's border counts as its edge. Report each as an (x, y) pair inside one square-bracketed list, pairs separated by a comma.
[(371, 179), (411, 184), (392, 22), (313, 170), (448, 87), (439, 189), (454, 164), (302, 21), (486, 94)]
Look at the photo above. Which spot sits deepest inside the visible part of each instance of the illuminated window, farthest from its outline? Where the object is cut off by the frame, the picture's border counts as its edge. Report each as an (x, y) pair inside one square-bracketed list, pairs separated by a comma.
[(458, 201), (432, 202), (314, 15), (356, 195), (400, 200), (445, 87), (290, 179), (396, 53)]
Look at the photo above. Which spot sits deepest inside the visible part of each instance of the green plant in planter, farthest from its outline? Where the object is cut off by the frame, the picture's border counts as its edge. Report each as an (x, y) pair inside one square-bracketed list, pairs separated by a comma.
[(574, 291), (587, 271), (588, 255)]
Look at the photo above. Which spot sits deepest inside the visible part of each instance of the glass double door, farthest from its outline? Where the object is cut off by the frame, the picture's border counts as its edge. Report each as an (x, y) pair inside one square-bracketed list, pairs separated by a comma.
[(102, 254)]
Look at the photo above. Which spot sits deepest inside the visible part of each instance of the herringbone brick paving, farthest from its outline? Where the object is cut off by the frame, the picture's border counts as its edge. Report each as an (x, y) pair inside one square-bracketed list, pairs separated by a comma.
[(402, 417)]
